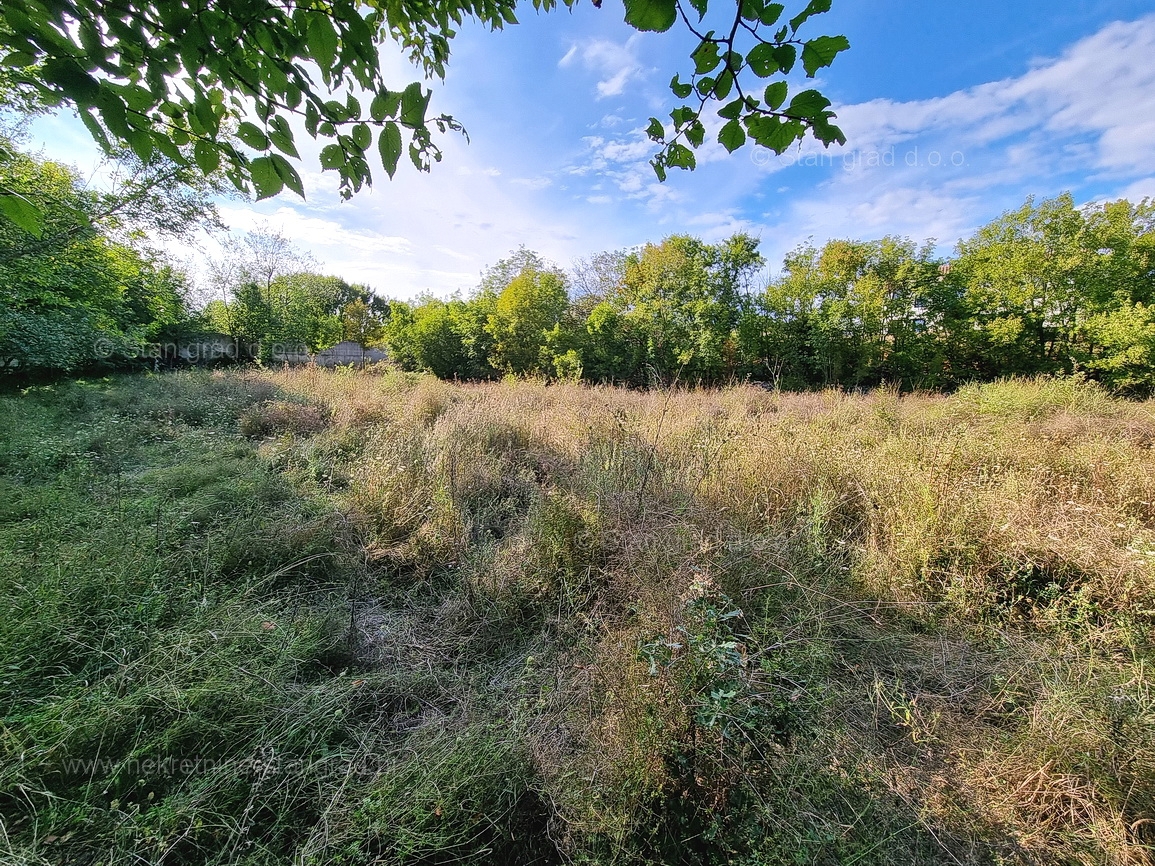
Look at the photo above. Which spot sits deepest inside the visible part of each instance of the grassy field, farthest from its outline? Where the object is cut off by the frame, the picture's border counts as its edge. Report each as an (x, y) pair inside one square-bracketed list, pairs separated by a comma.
[(332, 618)]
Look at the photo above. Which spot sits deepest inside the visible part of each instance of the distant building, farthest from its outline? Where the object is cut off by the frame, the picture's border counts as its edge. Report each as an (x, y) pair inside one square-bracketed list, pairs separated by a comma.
[(348, 353)]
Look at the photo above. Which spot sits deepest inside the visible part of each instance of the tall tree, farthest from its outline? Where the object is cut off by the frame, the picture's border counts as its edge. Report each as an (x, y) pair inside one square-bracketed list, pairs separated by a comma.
[(680, 302), (524, 314), (76, 294)]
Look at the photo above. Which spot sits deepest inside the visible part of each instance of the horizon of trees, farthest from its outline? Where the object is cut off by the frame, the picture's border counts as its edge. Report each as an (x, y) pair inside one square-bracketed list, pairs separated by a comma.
[(1048, 288)]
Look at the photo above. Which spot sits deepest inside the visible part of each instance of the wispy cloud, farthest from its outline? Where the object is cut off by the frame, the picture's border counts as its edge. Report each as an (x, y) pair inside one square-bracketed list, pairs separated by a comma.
[(532, 182), (1095, 102), (615, 63), (937, 168), (315, 231)]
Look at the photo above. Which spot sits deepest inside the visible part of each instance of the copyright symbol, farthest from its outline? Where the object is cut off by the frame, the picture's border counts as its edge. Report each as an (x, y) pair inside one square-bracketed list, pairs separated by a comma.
[(760, 156), (102, 347)]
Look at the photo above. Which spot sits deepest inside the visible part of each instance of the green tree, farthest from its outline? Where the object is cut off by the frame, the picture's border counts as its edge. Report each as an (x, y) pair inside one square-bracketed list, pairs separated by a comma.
[(431, 335), (1041, 282), (853, 313), (679, 305), (76, 294), (299, 312), (524, 316), (363, 320)]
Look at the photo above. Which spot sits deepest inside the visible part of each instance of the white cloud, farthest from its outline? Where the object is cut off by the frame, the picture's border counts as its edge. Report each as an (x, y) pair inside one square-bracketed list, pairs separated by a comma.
[(938, 168), (1101, 88), (315, 231), (628, 151), (615, 63), (1139, 190), (532, 182)]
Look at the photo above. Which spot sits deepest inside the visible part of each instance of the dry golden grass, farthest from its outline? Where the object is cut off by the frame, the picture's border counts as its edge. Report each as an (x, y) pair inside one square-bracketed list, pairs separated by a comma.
[(957, 593)]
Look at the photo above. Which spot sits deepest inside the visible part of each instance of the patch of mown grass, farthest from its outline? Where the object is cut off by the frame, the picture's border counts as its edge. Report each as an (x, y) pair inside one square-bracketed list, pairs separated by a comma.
[(309, 616)]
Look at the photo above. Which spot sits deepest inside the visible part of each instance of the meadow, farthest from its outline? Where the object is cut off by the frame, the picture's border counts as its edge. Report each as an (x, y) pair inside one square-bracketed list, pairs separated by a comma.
[(315, 617)]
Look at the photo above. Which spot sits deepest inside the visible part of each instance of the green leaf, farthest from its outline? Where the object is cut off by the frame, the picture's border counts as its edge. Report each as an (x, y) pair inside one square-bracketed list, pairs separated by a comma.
[(268, 182), (67, 74), (723, 84), (288, 174), (252, 135), (681, 156), (19, 59), (208, 158), (654, 15), (808, 103), (827, 132), (281, 134), (332, 156), (775, 94), (771, 14), (679, 89), (732, 110), (656, 131), (389, 143), (385, 104), (762, 60), (700, 7), (696, 133), (322, 41), (751, 10), (413, 105), (415, 157), (731, 136), (659, 169), (786, 55), (359, 37), (816, 7), (706, 57), (682, 115), (773, 133), (95, 129), (820, 52), (362, 136), (205, 116), (22, 212)]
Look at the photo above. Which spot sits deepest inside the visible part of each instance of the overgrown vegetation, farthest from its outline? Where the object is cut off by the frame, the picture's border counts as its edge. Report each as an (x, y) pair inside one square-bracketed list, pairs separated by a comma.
[(321, 617)]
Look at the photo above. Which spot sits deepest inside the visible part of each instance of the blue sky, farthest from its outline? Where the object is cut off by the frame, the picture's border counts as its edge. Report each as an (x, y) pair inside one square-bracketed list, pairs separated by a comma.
[(954, 114)]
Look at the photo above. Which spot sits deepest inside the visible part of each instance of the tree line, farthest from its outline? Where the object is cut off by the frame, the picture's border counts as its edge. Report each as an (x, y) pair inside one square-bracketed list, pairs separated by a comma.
[(1049, 288)]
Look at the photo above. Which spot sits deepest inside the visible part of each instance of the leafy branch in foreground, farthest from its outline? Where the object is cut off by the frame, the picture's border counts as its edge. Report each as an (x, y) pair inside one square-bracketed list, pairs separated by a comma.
[(722, 71), (195, 79), (161, 75)]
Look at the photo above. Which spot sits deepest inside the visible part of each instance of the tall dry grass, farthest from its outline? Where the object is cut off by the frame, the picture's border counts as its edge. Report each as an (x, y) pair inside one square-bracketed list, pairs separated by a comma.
[(737, 626)]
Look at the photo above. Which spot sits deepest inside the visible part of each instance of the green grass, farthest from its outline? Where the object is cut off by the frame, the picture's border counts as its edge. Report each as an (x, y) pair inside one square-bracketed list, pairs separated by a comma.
[(313, 617)]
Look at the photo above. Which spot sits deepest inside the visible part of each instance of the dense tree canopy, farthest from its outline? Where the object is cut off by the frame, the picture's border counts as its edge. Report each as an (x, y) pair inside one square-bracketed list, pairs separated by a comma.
[(1047, 289), (87, 287)]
